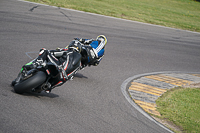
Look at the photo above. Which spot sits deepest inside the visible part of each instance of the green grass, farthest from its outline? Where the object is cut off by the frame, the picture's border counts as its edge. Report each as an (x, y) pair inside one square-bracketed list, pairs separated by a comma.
[(182, 107), (182, 14)]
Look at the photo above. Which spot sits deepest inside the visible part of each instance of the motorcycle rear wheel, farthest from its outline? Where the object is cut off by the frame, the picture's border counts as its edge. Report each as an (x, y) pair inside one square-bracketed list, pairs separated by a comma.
[(30, 83)]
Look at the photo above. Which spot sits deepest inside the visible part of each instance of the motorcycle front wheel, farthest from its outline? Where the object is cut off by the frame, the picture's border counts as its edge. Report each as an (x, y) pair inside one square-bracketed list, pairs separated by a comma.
[(32, 82)]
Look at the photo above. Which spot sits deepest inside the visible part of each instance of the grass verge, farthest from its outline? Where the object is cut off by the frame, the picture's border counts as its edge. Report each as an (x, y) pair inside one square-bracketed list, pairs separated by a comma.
[(181, 106), (182, 14)]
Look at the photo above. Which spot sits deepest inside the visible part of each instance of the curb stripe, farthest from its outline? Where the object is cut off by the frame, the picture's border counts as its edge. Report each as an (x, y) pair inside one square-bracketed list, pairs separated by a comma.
[(198, 75), (148, 107), (142, 96), (154, 83), (146, 88), (170, 80)]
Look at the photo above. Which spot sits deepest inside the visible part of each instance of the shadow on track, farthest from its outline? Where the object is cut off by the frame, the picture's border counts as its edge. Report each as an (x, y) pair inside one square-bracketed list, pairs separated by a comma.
[(38, 95), (79, 75)]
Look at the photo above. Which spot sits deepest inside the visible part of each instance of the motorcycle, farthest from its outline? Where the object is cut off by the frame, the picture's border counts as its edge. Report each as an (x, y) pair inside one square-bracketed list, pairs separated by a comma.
[(47, 73)]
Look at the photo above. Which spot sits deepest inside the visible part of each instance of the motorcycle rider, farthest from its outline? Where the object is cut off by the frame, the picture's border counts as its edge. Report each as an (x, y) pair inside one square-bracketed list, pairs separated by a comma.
[(69, 60)]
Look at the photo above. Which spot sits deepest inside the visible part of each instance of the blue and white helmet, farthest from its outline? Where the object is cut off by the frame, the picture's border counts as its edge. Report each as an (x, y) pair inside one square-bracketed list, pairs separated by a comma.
[(102, 38)]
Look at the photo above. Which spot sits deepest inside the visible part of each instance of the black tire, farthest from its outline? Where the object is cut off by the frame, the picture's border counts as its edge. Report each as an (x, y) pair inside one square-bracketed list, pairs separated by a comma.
[(13, 83), (32, 82)]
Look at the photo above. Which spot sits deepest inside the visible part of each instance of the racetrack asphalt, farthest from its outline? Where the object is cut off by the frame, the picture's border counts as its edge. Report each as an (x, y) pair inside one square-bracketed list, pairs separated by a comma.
[(93, 101)]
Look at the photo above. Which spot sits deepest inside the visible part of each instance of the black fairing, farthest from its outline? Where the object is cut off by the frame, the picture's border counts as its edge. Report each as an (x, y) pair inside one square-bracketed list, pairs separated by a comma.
[(74, 62)]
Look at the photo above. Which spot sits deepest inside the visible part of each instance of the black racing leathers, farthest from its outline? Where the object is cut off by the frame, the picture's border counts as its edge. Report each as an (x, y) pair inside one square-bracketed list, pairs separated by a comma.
[(66, 61)]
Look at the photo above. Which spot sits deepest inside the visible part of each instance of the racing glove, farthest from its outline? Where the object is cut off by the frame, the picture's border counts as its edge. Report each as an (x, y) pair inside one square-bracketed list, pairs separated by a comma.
[(84, 41)]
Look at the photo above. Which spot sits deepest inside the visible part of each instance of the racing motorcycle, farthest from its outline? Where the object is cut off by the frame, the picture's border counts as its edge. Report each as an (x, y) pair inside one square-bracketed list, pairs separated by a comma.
[(47, 73)]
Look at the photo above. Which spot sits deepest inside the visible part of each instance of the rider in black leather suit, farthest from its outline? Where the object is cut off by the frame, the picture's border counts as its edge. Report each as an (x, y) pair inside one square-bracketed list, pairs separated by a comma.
[(78, 54)]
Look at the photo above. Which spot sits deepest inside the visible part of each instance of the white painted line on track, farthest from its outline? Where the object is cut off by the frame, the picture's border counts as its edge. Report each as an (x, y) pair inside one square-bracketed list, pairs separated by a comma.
[(109, 17), (27, 53)]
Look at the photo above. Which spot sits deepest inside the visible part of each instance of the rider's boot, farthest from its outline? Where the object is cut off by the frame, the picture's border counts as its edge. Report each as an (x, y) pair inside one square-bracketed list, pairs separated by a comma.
[(38, 61), (31, 65)]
